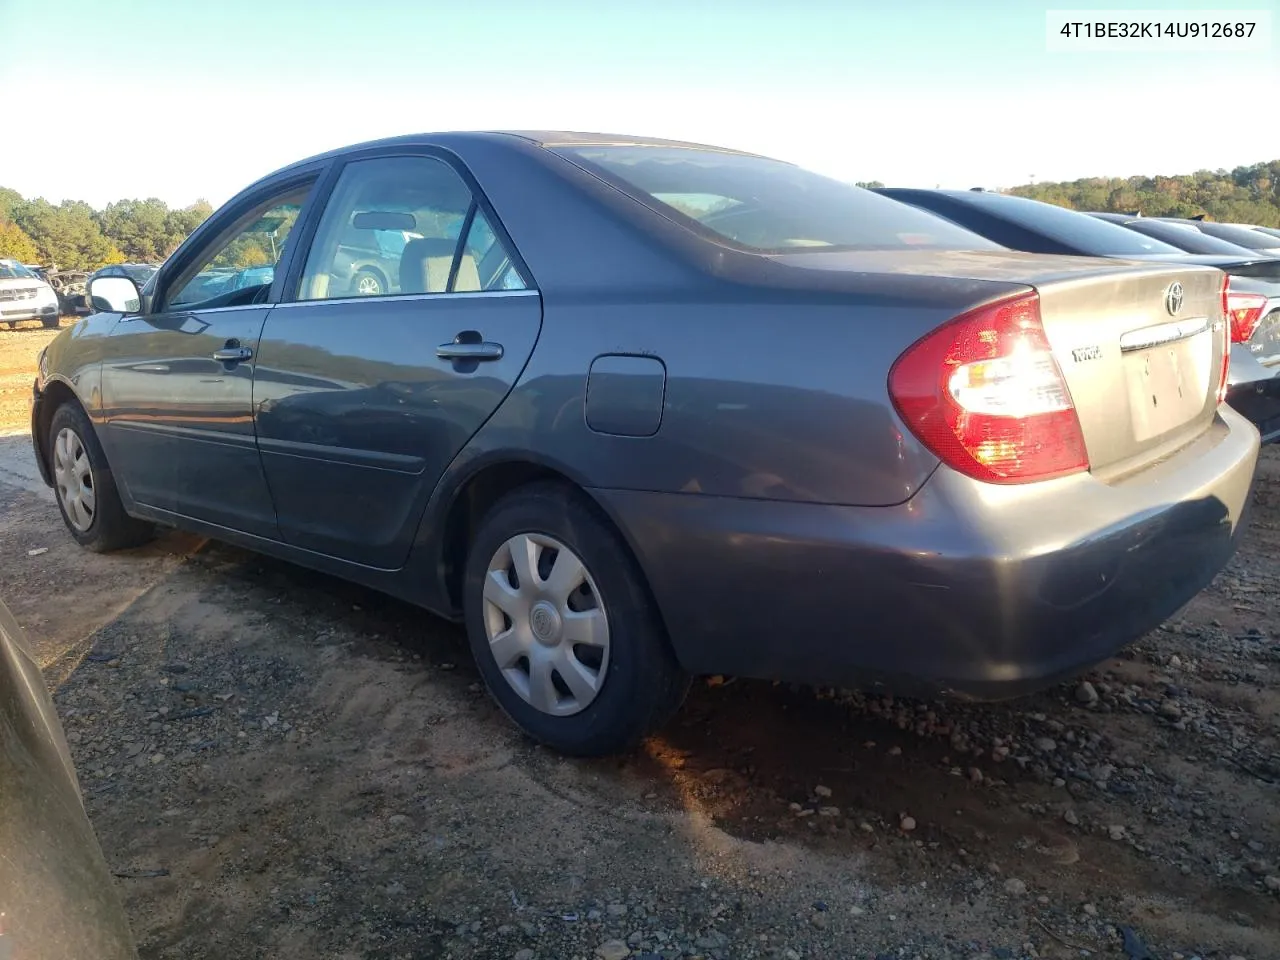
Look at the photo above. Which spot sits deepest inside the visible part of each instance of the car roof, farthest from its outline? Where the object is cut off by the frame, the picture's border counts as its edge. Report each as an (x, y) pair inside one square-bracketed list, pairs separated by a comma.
[(542, 138)]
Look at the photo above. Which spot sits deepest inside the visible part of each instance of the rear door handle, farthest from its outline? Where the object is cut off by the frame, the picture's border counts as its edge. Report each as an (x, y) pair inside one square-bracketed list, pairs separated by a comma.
[(484, 350), (232, 354)]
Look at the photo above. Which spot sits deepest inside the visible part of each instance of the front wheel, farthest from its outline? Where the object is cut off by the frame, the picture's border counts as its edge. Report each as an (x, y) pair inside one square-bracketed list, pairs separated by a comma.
[(562, 628), (51, 323), (86, 490)]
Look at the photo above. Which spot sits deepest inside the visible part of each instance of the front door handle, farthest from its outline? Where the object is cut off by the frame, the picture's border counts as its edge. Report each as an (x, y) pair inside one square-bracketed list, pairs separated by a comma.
[(232, 354), (465, 350)]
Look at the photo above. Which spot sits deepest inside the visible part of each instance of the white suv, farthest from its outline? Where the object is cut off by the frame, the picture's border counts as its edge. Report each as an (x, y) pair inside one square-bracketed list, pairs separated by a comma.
[(24, 296)]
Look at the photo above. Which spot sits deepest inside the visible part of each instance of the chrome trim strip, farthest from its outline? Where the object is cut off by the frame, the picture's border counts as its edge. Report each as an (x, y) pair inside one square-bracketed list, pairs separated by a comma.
[(180, 310), (1162, 333), (402, 297)]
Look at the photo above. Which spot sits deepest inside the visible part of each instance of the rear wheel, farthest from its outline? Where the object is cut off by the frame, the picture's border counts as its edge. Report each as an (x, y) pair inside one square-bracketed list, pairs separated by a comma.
[(562, 628), (85, 488), (367, 283)]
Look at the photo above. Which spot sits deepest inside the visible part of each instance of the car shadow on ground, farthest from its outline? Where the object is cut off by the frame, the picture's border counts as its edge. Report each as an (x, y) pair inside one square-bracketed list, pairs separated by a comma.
[(918, 786), (392, 724)]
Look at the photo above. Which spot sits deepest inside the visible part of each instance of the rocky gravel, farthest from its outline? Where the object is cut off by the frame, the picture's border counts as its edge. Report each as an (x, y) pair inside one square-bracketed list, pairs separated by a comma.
[(283, 765)]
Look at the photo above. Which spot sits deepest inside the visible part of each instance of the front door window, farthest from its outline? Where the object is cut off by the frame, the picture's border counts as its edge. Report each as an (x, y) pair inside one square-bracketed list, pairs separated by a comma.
[(240, 269)]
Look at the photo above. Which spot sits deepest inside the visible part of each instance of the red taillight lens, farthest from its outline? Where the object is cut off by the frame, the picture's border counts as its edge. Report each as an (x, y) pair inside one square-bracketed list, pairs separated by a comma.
[(1244, 313), (985, 394), (1228, 337)]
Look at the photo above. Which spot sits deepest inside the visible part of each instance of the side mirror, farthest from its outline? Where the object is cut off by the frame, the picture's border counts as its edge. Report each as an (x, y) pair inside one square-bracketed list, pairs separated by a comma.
[(114, 295)]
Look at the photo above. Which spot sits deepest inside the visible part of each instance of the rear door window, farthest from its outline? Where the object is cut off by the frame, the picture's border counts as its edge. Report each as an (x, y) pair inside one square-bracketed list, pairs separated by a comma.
[(401, 226)]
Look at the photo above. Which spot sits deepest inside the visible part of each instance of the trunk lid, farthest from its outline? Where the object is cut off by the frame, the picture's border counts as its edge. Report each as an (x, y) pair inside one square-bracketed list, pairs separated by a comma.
[(1143, 378), (1142, 355)]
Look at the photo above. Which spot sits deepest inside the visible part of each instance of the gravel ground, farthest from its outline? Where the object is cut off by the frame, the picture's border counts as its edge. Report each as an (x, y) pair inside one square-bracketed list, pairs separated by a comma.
[(283, 765)]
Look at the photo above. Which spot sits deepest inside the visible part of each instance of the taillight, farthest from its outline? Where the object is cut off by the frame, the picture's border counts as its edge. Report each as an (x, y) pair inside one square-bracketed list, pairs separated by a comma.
[(1228, 337), (985, 394), (1244, 313)]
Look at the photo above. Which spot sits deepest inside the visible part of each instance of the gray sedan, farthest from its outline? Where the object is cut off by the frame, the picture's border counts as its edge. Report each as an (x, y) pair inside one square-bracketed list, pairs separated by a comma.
[(636, 410)]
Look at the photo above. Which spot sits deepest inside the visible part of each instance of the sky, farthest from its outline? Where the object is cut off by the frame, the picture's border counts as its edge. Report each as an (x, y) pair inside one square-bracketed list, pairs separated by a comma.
[(183, 100)]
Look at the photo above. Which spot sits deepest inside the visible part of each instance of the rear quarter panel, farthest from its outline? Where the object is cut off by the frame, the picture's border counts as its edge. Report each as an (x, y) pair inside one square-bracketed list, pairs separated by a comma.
[(765, 397)]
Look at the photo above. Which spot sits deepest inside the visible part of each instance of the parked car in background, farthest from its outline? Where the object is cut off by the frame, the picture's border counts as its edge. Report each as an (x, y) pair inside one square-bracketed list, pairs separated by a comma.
[(1248, 237), (641, 410), (252, 277), (1255, 366), (139, 273), (1253, 291), (57, 898), (25, 296), (1181, 234), (368, 258)]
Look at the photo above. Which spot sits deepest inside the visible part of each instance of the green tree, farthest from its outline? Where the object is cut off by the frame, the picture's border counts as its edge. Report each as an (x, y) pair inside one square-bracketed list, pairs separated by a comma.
[(180, 224), (16, 245), (8, 200), (140, 228), (67, 235), (1243, 195)]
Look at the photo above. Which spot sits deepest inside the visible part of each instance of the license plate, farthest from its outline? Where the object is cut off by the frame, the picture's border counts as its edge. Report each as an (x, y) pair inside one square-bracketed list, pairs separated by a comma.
[(1168, 384)]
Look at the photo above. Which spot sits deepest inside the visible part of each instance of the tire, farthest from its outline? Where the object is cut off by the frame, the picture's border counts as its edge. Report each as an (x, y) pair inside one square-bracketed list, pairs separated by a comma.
[(13, 324), (639, 684), (77, 463), (51, 323), (372, 283)]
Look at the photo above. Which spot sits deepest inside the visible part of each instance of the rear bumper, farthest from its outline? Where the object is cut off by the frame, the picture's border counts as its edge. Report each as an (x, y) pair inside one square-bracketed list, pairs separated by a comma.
[(967, 589)]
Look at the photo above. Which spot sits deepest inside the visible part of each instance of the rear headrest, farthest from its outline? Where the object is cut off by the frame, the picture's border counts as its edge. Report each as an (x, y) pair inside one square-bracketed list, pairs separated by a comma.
[(425, 263)]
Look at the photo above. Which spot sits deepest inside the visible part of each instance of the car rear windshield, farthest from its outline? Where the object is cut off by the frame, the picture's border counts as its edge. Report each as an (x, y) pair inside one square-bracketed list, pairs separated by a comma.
[(1186, 237), (763, 205), (1097, 238), (1242, 236)]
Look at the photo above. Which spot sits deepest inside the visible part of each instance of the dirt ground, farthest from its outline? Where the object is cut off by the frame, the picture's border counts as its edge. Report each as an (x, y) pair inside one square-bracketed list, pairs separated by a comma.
[(283, 765)]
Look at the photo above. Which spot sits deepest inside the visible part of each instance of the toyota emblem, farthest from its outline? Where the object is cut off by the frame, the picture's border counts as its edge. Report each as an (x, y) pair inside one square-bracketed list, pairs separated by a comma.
[(1173, 299)]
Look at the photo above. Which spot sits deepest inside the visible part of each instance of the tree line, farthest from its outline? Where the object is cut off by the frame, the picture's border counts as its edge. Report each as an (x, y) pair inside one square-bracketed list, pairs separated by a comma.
[(1244, 195), (74, 236)]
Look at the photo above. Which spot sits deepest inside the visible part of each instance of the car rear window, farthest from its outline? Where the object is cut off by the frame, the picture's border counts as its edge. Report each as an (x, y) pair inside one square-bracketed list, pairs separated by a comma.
[(1078, 230), (1243, 236), (1185, 237), (763, 205)]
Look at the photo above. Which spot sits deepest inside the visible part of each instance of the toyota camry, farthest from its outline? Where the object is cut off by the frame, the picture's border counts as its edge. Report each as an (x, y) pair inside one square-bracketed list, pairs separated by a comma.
[(636, 410)]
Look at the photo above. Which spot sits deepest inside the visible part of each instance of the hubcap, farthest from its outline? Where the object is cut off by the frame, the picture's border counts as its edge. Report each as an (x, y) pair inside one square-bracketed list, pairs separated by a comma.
[(73, 477), (368, 286), (546, 625)]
